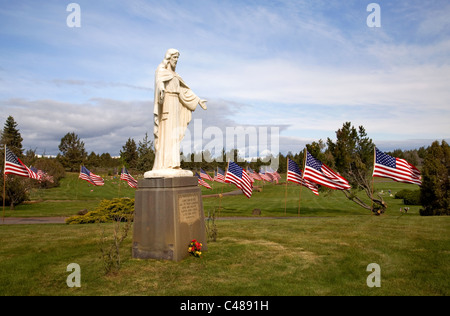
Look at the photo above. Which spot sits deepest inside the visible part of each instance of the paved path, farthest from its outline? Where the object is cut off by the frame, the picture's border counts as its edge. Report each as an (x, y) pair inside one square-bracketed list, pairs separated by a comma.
[(61, 220), (32, 220), (235, 192)]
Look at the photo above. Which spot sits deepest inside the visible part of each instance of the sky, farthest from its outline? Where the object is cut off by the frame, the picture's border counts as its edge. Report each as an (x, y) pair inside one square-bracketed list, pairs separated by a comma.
[(298, 69)]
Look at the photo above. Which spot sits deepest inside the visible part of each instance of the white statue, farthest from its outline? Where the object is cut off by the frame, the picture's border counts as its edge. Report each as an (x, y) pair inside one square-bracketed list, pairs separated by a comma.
[(173, 106)]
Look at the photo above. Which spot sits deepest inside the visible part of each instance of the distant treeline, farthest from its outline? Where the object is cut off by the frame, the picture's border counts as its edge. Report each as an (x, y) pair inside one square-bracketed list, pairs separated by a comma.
[(351, 154)]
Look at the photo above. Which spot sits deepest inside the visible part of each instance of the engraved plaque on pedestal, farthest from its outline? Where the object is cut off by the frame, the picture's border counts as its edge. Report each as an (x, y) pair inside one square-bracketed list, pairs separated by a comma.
[(188, 208)]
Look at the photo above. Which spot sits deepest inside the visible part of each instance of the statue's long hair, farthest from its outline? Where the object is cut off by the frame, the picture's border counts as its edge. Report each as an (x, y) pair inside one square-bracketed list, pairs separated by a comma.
[(170, 52)]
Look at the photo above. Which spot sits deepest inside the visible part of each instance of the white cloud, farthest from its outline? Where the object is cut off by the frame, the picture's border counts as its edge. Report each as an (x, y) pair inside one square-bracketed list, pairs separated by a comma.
[(290, 82), (306, 66), (104, 125)]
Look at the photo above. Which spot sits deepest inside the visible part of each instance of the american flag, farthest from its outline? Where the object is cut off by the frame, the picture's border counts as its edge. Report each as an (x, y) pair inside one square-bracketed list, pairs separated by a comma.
[(294, 174), (202, 182), (239, 178), (274, 174), (395, 168), (14, 165), (265, 176), (250, 175), (43, 176), (39, 173), (321, 174), (125, 175), (219, 175), (90, 177), (205, 175), (253, 174)]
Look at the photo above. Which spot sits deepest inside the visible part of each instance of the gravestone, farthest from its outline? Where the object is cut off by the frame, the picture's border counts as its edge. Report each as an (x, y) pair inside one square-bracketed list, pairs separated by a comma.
[(168, 215)]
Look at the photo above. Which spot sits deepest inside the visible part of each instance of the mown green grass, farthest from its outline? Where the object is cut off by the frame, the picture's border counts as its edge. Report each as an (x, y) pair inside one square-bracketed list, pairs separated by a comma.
[(297, 256), (293, 200), (74, 195), (71, 196), (324, 251)]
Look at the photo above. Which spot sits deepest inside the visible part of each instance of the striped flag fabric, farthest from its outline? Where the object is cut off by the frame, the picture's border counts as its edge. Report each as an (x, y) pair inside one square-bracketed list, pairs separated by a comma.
[(42, 175), (294, 174), (274, 174), (219, 175), (37, 173), (397, 169), (90, 177), (202, 182), (45, 176), (250, 176), (239, 178), (14, 165), (318, 172), (265, 176), (126, 176), (32, 174), (253, 174), (205, 175)]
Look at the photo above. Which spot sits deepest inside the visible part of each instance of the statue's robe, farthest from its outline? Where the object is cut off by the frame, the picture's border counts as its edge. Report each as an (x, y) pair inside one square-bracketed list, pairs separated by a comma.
[(172, 114)]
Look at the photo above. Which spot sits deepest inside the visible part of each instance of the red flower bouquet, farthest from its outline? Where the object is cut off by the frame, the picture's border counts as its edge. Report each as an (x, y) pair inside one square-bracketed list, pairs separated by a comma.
[(195, 248)]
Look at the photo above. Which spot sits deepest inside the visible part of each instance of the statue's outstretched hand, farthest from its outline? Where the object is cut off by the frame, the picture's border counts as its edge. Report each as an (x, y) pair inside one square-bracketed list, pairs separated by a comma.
[(203, 104)]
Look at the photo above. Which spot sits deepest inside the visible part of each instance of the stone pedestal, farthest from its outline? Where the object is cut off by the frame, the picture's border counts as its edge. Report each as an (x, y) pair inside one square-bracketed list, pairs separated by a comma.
[(168, 215)]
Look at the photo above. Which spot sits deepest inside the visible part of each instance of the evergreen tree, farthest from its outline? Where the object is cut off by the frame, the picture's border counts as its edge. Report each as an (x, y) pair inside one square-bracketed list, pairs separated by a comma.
[(72, 151), (11, 137), (434, 191), (129, 154), (353, 158), (16, 187), (106, 161), (146, 154), (93, 160)]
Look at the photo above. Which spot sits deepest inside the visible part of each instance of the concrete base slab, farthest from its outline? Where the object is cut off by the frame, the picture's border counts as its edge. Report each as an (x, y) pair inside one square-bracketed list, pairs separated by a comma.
[(168, 173)]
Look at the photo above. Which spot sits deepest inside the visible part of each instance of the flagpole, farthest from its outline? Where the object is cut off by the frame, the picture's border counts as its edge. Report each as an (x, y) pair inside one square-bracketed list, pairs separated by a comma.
[(303, 174), (220, 194), (304, 164), (212, 183), (120, 179), (374, 158), (4, 188), (78, 181), (299, 198), (285, 192), (4, 196), (225, 175)]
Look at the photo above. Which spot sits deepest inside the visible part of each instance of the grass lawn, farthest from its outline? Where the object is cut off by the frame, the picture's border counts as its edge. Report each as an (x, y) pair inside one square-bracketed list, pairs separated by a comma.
[(298, 256), (324, 251), (74, 195)]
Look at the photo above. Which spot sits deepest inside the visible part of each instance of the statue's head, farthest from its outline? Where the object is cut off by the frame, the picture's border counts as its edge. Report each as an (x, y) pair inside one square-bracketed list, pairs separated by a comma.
[(171, 58)]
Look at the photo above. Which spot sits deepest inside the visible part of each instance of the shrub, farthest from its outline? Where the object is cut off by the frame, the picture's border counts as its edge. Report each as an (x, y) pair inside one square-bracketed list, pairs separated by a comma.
[(410, 197), (53, 168), (16, 190), (108, 211), (435, 189), (210, 225)]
